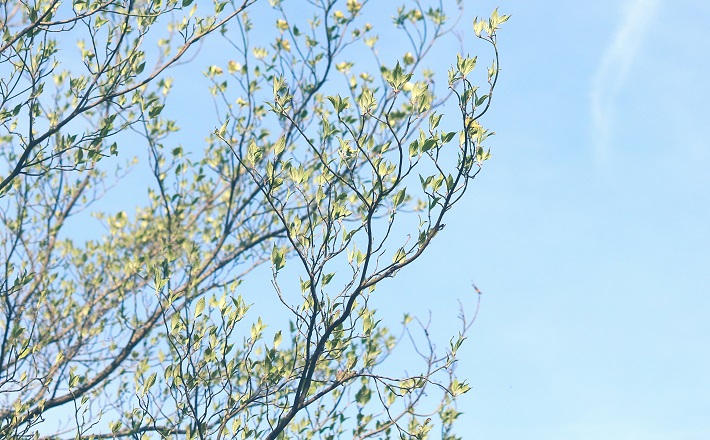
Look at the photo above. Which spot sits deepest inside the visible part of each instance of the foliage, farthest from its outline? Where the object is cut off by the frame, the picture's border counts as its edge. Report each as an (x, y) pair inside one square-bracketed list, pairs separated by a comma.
[(145, 332)]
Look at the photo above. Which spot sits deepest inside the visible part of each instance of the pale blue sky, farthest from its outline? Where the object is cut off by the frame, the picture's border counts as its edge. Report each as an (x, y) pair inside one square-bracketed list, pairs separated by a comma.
[(591, 240), (587, 231)]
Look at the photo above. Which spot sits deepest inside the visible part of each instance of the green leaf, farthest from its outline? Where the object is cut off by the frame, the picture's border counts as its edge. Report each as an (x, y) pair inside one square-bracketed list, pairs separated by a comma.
[(458, 388), (446, 138), (253, 153), (339, 103), (277, 258), (449, 182), (482, 155), (278, 85), (149, 383), (494, 16), (175, 323), (492, 70), (280, 145), (79, 5), (428, 145), (115, 426), (465, 65), (326, 278), (434, 120), (399, 256), (397, 78), (223, 129), (73, 379), (414, 148), (155, 111), (200, 307), (23, 354), (399, 197), (496, 19), (363, 395), (256, 330), (367, 101), (478, 26)]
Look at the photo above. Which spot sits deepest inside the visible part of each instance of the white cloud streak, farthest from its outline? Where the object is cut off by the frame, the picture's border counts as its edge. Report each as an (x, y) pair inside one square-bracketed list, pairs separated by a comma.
[(613, 70)]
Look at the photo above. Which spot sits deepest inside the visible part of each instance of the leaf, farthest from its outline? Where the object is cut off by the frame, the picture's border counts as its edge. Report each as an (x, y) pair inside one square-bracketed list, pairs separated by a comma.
[(278, 85), (326, 278), (399, 256), (434, 121), (214, 71), (155, 111), (414, 148), (458, 388), (363, 395), (446, 138), (420, 90), (428, 145), (399, 197), (277, 258), (478, 26), (233, 66), (253, 153), (280, 145), (223, 129), (277, 339), (465, 65), (482, 155), (449, 182), (149, 383), (256, 329), (23, 354), (367, 101), (397, 78), (79, 5), (200, 307), (496, 19), (281, 25), (339, 103), (175, 323)]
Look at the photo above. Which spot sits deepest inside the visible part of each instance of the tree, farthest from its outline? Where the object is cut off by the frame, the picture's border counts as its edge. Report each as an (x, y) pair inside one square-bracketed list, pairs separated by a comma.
[(317, 168)]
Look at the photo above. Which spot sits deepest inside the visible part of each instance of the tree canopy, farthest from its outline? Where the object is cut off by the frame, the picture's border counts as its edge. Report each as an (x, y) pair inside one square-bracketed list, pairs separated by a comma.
[(327, 161)]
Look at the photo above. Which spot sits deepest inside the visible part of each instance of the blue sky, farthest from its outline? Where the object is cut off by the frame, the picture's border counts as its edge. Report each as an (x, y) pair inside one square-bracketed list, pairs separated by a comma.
[(591, 239), (587, 231)]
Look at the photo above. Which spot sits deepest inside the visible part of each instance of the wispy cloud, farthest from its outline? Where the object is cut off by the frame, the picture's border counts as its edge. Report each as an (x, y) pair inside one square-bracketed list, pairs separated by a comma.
[(613, 70)]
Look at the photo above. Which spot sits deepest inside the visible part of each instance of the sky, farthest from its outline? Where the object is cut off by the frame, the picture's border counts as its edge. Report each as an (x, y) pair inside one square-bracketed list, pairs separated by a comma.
[(587, 230)]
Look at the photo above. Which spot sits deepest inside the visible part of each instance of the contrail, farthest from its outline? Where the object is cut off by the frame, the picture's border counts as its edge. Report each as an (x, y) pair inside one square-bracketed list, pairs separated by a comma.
[(637, 16)]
